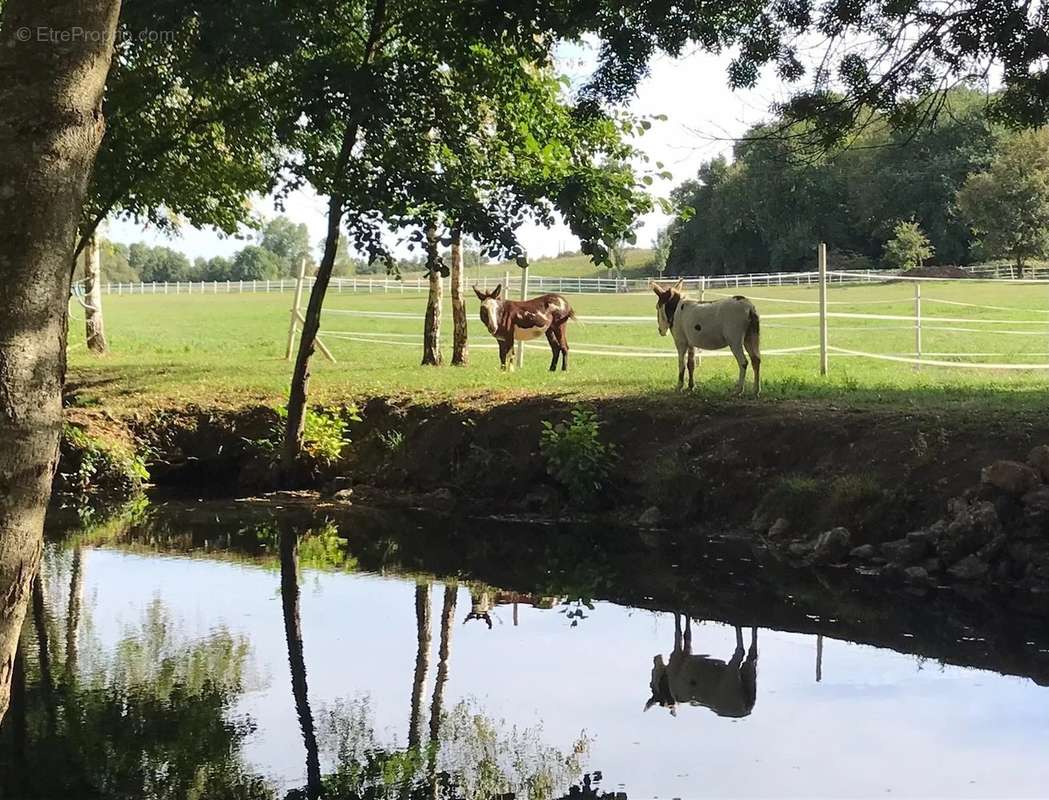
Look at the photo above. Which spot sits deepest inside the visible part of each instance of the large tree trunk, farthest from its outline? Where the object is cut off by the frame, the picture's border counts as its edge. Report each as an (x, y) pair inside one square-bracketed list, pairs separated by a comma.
[(289, 593), (50, 129), (95, 329), (432, 323), (460, 344), (422, 663)]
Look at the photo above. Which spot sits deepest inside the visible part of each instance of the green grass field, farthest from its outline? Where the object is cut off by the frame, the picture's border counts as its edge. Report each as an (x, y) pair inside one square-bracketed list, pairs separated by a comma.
[(229, 349)]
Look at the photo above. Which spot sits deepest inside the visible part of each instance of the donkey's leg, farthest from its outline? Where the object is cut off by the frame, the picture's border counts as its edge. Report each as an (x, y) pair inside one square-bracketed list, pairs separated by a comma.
[(752, 653), (691, 362), (741, 359), (677, 632), (505, 349), (562, 339), (681, 351), (688, 635), (555, 347), (753, 346)]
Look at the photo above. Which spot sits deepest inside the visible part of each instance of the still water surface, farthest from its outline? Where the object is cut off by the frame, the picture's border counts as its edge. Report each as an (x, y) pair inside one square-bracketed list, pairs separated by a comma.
[(788, 714)]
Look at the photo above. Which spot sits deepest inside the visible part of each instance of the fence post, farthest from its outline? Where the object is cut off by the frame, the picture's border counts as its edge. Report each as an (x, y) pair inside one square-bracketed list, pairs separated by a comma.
[(295, 309), (524, 296), (917, 322), (822, 262), (506, 284)]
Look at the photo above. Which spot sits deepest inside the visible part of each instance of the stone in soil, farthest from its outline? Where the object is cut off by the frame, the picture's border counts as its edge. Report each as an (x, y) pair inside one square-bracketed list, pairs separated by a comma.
[(905, 551), (1011, 477), (832, 545), (1036, 500), (970, 568), (651, 517), (780, 528), (865, 552), (1038, 458)]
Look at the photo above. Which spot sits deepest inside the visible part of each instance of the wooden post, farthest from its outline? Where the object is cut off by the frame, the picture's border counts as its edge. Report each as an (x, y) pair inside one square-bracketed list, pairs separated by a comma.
[(702, 296), (917, 322), (819, 657), (293, 328), (524, 296), (297, 319), (822, 261)]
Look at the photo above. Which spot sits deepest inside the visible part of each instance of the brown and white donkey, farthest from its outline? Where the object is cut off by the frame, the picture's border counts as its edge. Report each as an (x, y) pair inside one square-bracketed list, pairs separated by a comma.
[(512, 321)]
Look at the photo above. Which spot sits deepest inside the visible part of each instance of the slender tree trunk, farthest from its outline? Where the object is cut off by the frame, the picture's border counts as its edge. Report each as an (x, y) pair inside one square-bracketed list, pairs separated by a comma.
[(460, 344), (300, 377), (50, 129), (95, 329), (289, 593), (76, 591), (432, 323), (422, 663)]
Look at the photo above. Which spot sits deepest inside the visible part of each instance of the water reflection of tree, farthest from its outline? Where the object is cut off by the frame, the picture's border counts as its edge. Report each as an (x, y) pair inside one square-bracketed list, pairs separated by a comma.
[(468, 755), (150, 719), (289, 591)]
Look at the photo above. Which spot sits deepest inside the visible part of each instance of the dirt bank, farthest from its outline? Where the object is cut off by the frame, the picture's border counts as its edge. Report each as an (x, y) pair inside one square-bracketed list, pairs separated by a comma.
[(880, 472)]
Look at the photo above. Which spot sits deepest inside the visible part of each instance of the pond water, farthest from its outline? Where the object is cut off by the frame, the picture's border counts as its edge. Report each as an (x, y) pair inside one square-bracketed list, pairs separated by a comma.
[(232, 658)]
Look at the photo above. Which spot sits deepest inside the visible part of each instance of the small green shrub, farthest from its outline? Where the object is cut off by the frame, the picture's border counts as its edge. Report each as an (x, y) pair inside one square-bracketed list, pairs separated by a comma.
[(92, 467), (392, 440), (324, 433), (574, 454)]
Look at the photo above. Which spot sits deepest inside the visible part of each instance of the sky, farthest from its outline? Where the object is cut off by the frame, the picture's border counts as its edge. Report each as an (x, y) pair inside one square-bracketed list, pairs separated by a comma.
[(703, 116)]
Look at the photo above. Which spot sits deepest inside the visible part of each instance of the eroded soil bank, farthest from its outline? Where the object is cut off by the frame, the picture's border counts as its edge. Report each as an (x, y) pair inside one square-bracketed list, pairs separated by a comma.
[(790, 469)]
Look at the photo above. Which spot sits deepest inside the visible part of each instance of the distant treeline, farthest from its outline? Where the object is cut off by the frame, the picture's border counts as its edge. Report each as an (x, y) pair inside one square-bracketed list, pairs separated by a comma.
[(766, 209), (277, 253)]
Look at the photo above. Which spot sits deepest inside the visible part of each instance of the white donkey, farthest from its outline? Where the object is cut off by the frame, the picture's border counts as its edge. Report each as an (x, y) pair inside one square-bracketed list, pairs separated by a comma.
[(732, 323)]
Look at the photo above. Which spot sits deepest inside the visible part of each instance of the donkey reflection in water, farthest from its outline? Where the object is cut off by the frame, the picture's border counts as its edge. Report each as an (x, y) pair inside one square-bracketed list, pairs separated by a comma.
[(512, 321), (732, 323), (727, 689)]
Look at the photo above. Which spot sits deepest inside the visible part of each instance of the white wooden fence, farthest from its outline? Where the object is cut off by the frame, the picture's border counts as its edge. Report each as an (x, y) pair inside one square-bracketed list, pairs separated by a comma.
[(536, 284)]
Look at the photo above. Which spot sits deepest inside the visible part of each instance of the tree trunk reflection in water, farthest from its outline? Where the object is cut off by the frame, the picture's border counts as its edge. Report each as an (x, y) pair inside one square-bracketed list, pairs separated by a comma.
[(422, 662), (43, 643), (447, 615), (289, 592), (76, 590)]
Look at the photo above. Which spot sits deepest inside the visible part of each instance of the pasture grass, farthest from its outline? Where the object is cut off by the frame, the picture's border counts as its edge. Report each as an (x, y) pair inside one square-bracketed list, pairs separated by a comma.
[(228, 350)]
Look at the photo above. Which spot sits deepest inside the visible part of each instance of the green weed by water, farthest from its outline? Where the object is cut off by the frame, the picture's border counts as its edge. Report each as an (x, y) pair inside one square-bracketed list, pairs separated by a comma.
[(575, 455)]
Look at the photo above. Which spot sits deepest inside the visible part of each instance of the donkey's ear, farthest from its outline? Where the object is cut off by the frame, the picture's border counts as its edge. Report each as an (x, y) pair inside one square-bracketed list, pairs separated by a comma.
[(480, 295), (650, 702), (498, 290), (655, 287), (680, 285)]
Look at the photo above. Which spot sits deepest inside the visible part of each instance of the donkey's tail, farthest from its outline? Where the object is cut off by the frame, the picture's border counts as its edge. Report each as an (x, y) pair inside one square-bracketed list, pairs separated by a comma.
[(573, 318), (753, 323)]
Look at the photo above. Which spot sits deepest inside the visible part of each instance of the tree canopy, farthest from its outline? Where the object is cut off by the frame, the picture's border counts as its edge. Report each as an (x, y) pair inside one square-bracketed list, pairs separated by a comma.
[(768, 208), (1008, 205)]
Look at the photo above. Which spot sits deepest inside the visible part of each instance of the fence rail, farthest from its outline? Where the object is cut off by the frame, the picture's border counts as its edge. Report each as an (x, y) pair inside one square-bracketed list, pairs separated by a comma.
[(512, 283)]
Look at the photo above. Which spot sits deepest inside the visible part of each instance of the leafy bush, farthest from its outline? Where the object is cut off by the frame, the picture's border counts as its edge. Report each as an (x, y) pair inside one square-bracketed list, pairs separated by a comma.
[(324, 434), (574, 454), (908, 247), (90, 467)]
